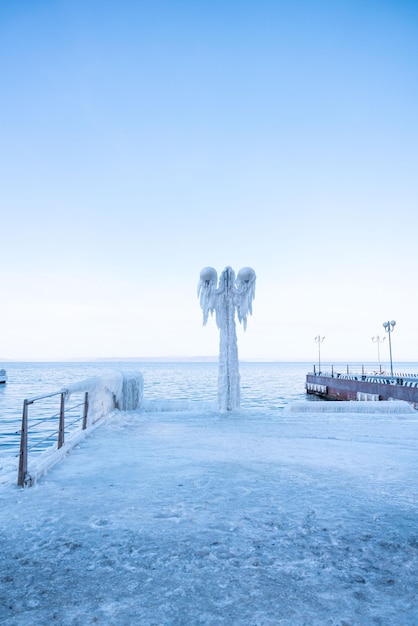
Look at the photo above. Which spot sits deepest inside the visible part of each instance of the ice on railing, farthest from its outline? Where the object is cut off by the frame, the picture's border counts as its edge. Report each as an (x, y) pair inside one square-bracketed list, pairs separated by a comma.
[(132, 391), (347, 406), (118, 390)]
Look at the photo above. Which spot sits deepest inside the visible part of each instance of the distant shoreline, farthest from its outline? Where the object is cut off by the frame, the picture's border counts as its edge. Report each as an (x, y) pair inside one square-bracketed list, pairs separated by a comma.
[(186, 359), (147, 359), (144, 359)]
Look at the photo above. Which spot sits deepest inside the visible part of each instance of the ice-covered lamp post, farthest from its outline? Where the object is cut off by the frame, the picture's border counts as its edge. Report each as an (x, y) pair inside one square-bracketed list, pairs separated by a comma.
[(231, 294)]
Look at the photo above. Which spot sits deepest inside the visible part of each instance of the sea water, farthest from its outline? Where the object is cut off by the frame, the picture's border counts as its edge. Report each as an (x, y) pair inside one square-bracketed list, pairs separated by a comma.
[(263, 385), (266, 386)]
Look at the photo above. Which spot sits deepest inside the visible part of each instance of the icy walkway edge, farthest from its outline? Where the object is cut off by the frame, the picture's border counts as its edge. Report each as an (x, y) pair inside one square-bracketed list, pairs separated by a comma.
[(346, 406)]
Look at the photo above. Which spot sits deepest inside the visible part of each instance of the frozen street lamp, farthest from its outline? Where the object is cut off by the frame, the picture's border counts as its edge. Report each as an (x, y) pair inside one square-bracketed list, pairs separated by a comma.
[(319, 340), (378, 340), (389, 326), (231, 294)]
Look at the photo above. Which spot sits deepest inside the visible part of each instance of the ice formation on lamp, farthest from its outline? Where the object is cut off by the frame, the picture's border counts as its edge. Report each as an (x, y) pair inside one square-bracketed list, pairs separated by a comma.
[(231, 294)]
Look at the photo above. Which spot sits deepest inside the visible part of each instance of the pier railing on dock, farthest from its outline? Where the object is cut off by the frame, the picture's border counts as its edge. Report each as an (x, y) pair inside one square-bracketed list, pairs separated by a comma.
[(43, 430), (360, 372)]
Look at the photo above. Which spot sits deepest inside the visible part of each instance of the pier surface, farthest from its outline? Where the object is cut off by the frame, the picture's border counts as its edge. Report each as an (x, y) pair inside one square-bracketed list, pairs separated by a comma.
[(248, 518)]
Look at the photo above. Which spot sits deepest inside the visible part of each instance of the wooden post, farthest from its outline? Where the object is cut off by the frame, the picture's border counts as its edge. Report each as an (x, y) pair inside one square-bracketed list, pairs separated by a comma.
[(23, 456), (86, 409), (61, 423)]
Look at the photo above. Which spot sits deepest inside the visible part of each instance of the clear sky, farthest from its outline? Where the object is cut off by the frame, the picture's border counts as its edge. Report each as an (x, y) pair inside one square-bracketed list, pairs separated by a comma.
[(144, 140)]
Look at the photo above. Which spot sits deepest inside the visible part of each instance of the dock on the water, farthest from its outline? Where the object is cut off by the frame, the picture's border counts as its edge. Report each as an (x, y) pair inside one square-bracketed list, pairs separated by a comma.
[(333, 385)]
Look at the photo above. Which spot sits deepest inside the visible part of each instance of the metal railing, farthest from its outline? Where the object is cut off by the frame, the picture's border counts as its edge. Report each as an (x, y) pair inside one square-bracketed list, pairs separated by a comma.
[(353, 369), (360, 372), (44, 433)]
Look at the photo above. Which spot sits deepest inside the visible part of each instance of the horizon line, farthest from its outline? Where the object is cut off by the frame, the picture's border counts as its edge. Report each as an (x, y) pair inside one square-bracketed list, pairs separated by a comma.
[(183, 359)]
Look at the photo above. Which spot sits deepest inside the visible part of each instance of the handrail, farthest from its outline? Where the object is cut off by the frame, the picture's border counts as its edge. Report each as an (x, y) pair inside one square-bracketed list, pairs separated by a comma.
[(23, 475), (359, 370), (46, 395)]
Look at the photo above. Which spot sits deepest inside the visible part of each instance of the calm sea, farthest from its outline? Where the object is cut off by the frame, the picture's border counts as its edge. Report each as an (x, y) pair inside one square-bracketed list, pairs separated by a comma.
[(266, 386)]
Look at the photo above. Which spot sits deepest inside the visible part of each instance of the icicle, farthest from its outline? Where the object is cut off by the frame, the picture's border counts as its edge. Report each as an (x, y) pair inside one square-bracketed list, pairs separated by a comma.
[(206, 291), (245, 284), (122, 390)]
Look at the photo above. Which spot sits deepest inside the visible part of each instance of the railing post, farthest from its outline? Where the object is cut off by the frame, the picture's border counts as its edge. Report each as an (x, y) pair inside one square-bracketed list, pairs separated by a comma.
[(23, 456), (61, 423), (86, 409)]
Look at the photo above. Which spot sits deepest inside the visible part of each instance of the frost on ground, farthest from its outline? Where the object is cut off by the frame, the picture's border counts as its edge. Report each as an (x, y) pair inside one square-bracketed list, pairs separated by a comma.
[(248, 518)]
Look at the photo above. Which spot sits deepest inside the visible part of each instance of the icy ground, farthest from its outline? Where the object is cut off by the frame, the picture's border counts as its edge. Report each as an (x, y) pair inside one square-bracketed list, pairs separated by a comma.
[(187, 518)]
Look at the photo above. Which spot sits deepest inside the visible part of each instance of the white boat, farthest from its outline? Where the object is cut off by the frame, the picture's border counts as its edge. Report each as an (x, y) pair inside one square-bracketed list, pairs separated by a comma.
[(3, 376)]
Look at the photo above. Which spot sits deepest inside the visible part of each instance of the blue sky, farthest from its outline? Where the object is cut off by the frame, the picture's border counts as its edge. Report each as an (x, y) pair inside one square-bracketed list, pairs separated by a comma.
[(142, 141)]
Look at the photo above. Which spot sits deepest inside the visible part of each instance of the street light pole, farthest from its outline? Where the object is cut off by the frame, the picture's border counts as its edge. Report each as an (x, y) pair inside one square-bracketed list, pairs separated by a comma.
[(389, 326), (378, 340), (224, 299), (319, 340)]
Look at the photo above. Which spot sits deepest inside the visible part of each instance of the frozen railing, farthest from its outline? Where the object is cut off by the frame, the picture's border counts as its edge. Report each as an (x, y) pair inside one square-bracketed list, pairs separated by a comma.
[(56, 426), (47, 428)]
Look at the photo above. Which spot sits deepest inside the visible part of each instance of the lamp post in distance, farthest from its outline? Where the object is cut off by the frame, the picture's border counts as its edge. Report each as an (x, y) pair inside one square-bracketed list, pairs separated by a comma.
[(389, 326), (319, 340), (378, 340)]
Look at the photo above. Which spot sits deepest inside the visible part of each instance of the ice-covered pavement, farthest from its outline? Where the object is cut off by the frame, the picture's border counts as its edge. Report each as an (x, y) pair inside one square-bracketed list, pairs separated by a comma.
[(250, 518)]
